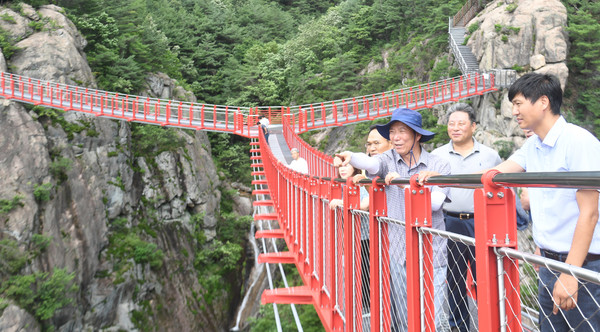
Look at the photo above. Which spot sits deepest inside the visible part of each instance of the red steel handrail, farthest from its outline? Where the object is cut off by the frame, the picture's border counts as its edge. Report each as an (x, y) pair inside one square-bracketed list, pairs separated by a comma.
[(494, 211), (301, 118)]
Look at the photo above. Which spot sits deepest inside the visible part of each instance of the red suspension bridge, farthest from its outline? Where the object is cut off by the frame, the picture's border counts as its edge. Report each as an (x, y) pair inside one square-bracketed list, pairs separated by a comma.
[(347, 282), (235, 119)]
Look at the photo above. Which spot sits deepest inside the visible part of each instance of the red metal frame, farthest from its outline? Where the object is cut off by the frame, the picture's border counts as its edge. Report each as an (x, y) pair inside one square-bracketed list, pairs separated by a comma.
[(380, 307), (495, 226), (238, 120), (418, 214), (493, 215)]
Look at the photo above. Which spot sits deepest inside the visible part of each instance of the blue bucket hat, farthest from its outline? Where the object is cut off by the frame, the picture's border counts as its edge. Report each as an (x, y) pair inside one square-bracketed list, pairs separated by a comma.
[(410, 118)]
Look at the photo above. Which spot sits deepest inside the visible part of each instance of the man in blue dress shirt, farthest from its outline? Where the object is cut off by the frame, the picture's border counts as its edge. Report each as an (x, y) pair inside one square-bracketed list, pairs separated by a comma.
[(565, 221)]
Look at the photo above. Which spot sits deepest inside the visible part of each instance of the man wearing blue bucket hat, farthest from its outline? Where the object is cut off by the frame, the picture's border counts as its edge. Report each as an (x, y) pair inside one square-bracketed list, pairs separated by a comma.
[(405, 159)]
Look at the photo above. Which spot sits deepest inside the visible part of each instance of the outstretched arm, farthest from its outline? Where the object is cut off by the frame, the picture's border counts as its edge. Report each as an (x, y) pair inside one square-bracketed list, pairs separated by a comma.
[(357, 160)]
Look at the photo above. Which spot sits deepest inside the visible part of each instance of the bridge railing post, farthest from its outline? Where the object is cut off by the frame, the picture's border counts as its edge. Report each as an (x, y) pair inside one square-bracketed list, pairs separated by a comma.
[(312, 242), (294, 223), (418, 215), (335, 191), (306, 220), (323, 192), (379, 259), (352, 287), (495, 226)]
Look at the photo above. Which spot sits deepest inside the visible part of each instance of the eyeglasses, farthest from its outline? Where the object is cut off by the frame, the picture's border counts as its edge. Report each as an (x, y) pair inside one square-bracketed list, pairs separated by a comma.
[(376, 143)]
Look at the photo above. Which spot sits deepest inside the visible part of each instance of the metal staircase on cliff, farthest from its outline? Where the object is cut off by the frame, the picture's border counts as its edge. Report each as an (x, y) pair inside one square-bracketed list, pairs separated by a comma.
[(462, 53), (466, 60)]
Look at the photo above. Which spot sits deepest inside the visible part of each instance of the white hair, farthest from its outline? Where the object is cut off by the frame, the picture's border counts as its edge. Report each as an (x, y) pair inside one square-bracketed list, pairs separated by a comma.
[(294, 149)]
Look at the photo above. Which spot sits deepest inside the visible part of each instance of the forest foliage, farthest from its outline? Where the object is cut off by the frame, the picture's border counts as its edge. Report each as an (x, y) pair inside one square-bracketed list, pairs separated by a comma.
[(282, 52), (258, 52), (583, 90)]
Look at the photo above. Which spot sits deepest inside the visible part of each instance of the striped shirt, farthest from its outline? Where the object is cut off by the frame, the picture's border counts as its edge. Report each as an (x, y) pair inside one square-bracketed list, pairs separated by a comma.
[(390, 161)]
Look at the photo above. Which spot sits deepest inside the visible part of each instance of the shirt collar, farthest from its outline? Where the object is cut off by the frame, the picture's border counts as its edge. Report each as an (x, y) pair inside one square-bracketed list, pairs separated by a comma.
[(554, 133), (423, 158), (476, 147)]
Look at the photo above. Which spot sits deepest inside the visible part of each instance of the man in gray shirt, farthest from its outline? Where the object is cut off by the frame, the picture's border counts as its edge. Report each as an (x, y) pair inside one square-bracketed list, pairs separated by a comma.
[(405, 159), (465, 155)]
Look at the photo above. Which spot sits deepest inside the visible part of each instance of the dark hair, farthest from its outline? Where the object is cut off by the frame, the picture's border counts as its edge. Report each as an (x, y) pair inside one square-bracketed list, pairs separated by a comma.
[(533, 86), (356, 171), (372, 127), (462, 107)]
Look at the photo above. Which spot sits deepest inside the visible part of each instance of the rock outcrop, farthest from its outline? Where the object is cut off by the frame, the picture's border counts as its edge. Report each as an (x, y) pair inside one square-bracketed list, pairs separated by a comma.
[(528, 35), (509, 35), (99, 184), (15, 319), (53, 50)]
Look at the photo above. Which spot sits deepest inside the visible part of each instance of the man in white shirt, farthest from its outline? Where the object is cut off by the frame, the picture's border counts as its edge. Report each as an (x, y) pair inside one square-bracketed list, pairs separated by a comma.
[(264, 123), (465, 155), (565, 221), (299, 164)]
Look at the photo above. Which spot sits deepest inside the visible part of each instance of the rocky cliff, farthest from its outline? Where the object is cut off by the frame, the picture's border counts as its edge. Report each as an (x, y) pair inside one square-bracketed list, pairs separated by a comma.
[(124, 221), (526, 35)]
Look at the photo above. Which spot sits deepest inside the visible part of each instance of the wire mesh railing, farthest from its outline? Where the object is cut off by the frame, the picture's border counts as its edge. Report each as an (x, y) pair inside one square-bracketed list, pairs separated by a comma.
[(538, 309), (337, 276)]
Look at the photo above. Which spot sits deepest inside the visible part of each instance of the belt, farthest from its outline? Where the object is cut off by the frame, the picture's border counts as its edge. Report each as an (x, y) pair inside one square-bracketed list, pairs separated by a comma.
[(562, 256), (461, 215)]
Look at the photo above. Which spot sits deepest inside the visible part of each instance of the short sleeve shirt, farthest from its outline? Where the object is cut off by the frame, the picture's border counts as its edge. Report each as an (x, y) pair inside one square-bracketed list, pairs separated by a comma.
[(299, 165), (390, 161), (482, 157), (566, 148)]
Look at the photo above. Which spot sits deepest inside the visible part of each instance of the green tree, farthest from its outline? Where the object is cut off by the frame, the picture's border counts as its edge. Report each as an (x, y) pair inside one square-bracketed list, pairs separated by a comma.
[(41, 293), (584, 33)]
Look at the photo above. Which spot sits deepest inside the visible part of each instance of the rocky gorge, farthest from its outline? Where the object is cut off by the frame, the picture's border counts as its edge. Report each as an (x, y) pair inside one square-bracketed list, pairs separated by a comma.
[(124, 224)]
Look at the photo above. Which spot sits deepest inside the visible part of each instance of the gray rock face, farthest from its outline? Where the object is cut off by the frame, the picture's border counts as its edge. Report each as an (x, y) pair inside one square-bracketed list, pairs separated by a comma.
[(104, 182), (506, 39), (15, 319), (18, 28), (532, 37), (537, 61), (54, 53), (162, 86)]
